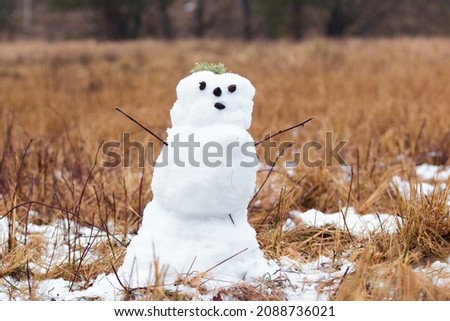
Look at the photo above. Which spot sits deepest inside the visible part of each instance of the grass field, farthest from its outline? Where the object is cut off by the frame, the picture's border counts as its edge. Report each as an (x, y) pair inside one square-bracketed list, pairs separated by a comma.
[(390, 100)]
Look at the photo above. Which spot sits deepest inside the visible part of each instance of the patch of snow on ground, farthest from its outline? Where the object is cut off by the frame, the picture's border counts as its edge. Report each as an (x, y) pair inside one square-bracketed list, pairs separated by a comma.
[(315, 280), (305, 278), (3, 232), (357, 224), (438, 271), (433, 172), (404, 188), (54, 290), (425, 172), (59, 234), (346, 173)]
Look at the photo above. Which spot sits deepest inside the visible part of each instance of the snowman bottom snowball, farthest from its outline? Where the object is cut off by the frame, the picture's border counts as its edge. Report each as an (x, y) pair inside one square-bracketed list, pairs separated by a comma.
[(197, 219)]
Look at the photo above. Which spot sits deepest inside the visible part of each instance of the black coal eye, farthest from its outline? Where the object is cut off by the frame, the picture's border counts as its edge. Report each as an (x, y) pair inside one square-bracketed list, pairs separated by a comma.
[(202, 85), (232, 88)]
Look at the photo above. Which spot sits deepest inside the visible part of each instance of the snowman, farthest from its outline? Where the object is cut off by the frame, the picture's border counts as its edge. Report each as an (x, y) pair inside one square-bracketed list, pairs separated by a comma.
[(202, 182)]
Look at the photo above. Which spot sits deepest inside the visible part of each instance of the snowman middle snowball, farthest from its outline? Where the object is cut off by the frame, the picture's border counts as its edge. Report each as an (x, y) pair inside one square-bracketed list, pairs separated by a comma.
[(202, 183)]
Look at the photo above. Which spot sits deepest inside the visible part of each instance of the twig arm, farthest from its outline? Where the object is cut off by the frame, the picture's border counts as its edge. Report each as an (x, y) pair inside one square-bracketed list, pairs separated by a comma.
[(303, 123), (142, 126)]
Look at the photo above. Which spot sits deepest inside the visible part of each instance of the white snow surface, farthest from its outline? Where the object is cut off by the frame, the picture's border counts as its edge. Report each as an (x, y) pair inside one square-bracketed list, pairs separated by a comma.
[(438, 271), (433, 172), (305, 278), (356, 224), (300, 281), (408, 189), (61, 236), (436, 175), (315, 280), (405, 188), (3, 231)]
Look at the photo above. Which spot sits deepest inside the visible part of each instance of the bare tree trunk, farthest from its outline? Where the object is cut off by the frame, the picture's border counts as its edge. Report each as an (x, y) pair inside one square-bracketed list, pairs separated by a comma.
[(338, 21), (115, 25), (247, 19), (122, 23), (297, 25), (166, 23), (27, 15), (199, 23), (378, 11)]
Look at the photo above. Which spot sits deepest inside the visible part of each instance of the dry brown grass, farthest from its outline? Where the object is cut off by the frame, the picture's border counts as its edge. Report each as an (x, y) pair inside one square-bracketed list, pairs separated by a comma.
[(388, 98)]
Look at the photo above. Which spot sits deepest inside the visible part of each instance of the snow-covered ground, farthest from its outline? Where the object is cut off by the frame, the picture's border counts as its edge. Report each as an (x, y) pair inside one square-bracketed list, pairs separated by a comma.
[(429, 179), (347, 218), (433, 172), (299, 280), (438, 271)]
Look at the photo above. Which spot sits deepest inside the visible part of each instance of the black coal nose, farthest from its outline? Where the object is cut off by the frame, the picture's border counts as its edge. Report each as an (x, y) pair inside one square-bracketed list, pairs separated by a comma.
[(217, 92), (219, 106)]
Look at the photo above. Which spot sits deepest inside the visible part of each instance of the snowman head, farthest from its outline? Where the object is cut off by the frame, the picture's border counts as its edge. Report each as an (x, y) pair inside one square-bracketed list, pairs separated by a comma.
[(205, 98)]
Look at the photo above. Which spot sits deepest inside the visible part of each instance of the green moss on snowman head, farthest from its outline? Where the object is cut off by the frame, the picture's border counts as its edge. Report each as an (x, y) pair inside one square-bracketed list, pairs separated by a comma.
[(217, 69), (211, 96)]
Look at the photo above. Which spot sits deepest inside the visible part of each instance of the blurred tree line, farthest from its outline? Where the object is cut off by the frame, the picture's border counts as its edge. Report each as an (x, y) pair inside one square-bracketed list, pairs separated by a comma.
[(247, 19)]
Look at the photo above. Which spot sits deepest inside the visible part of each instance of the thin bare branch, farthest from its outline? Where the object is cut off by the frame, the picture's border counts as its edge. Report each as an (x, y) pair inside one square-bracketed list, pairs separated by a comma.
[(303, 123), (344, 213), (142, 126), (250, 205), (67, 211), (227, 259)]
